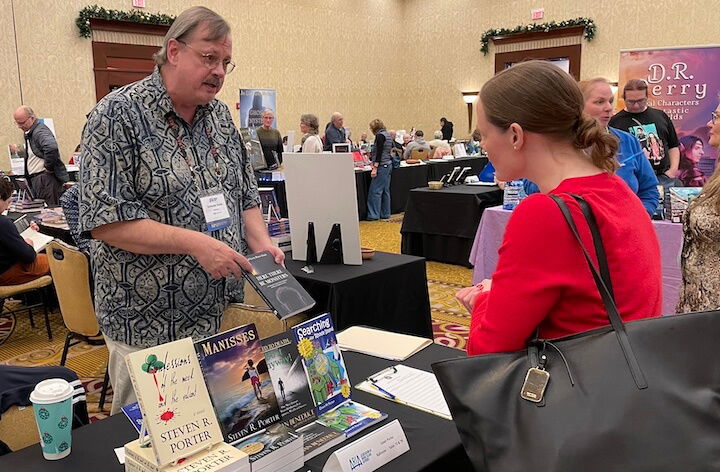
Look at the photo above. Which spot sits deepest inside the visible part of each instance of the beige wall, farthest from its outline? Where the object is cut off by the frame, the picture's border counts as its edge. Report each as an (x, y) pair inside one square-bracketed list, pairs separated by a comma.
[(320, 55), (404, 61), (445, 35)]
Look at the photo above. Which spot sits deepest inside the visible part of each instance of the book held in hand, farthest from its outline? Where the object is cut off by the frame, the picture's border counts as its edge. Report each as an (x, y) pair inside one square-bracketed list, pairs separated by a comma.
[(280, 290)]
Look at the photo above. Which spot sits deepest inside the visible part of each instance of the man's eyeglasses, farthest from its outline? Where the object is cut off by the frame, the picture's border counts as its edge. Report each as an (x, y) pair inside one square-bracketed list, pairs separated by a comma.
[(21, 123), (210, 60), (636, 102), (713, 117)]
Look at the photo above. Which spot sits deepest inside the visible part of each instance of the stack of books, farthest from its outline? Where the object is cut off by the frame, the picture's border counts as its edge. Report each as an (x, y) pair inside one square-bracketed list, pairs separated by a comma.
[(278, 227)]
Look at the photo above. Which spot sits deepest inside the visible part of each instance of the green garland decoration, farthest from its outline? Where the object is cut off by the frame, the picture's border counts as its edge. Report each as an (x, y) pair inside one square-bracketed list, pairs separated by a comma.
[(135, 16), (587, 23)]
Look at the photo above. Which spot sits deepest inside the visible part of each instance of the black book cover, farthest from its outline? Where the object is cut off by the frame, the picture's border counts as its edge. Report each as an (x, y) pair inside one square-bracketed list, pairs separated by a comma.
[(286, 370), (280, 290)]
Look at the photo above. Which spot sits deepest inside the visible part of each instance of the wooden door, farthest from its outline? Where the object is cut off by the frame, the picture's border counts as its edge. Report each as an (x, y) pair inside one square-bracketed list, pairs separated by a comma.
[(118, 64)]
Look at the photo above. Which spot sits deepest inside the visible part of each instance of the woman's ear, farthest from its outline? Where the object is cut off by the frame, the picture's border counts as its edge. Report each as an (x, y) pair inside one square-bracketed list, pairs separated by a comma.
[(517, 136)]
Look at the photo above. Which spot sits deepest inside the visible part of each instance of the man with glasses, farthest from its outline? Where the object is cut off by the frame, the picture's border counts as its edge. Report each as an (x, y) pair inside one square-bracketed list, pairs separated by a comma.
[(44, 170), (167, 194), (653, 128)]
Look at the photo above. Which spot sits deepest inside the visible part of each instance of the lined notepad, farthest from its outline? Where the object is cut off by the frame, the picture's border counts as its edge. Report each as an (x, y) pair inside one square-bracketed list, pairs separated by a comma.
[(379, 343), (412, 387)]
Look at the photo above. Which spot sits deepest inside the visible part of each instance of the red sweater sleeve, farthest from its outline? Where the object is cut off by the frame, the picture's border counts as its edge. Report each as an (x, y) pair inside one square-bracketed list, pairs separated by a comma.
[(534, 261)]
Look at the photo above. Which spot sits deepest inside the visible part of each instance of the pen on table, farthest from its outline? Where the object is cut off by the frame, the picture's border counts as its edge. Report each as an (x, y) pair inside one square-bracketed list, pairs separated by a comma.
[(383, 391)]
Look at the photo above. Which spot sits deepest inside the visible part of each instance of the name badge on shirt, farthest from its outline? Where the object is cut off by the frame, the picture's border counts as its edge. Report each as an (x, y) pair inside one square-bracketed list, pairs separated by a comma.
[(216, 211)]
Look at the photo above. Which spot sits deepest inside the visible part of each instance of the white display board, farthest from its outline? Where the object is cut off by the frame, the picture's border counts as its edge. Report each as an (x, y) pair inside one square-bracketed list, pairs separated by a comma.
[(321, 188)]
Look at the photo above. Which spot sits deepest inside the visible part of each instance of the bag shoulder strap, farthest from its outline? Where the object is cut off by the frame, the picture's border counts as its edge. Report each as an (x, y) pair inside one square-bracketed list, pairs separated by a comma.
[(605, 294), (597, 242)]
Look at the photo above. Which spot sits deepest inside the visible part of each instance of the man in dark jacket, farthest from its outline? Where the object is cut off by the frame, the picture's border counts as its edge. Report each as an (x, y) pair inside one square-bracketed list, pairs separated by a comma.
[(44, 170)]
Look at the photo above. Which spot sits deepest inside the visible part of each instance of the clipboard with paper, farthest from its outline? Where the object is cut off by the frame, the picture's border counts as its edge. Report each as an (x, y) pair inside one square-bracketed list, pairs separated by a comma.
[(408, 386)]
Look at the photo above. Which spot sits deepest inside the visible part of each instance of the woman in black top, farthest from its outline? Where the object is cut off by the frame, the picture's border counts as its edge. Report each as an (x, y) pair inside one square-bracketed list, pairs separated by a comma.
[(18, 261)]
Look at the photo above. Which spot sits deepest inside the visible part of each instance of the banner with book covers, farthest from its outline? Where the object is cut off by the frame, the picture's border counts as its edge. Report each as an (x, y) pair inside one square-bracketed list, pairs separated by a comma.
[(684, 83), (252, 103)]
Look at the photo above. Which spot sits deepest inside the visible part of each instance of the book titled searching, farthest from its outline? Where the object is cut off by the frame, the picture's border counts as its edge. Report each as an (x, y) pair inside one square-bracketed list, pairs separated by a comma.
[(280, 290)]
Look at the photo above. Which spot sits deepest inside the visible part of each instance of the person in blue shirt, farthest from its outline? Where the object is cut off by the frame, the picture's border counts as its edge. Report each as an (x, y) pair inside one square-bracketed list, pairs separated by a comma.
[(634, 168)]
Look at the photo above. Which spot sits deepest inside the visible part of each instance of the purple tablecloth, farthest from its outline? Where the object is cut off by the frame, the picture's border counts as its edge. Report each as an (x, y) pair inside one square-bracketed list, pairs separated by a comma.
[(484, 254)]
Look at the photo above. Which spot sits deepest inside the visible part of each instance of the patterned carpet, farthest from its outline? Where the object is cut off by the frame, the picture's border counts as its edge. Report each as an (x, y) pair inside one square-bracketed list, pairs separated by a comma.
[(25, 346)]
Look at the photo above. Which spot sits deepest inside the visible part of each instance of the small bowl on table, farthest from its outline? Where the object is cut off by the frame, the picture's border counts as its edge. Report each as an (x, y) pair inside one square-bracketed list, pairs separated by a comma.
[(435, 185), (367, 252)]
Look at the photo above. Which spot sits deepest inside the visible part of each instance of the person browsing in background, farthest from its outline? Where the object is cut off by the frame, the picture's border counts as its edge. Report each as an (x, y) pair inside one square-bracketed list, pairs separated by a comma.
[(691, 151), (45, 171), (641, 120), (270, 140), (700, 256), (532, 124), (335, 132), (19, 263), (378, 202), (446, 128), (633, 168), (311, 142), (417, 143), (172, 205), (438, 142)]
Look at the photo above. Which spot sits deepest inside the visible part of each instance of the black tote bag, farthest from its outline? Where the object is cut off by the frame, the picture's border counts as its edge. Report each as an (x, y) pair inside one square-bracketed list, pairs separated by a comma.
[(637, 397)]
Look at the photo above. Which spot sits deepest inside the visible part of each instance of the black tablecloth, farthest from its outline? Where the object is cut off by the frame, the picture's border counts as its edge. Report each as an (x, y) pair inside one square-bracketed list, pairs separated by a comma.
[(434, 441), (388, 292), (440, 225), (436, 169), (362, 185)]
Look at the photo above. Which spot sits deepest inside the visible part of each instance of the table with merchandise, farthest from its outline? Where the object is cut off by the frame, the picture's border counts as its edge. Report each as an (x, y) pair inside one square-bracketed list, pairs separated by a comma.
[(434, 441)]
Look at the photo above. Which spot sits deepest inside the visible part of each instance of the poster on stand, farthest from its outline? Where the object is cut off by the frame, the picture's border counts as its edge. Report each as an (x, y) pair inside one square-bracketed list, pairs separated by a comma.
[(684, 83), (252, 103)]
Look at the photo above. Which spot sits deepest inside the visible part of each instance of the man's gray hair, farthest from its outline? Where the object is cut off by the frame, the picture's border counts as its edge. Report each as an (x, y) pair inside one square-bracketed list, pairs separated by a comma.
[(266, 112), (28, 111), (186, 24)]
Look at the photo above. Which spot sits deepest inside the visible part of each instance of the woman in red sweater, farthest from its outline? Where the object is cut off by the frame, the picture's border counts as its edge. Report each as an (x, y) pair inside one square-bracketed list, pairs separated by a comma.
[(532, 125)]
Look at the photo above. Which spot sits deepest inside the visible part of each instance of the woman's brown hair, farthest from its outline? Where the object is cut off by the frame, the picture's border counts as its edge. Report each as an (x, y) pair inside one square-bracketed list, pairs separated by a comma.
[(543, 99), (6, 188), (376, 125)]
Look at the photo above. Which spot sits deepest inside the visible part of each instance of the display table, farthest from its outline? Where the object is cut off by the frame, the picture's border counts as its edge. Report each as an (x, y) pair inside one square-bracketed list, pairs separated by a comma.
[(388, 291), (440, 225), (484, 255), (438, 168), (434, 441)]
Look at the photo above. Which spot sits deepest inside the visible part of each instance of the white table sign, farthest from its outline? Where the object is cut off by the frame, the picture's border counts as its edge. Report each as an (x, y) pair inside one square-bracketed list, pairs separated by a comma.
[(371, 451)]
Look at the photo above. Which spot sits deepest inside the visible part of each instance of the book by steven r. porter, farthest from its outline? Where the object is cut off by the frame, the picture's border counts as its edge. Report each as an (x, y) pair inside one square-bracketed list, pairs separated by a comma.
[(239, 384), (280, 290), (324, 365), (288, 377)]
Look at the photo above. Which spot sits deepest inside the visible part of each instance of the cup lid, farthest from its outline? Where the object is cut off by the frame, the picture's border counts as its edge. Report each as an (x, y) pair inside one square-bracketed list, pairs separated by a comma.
[(51, 391)]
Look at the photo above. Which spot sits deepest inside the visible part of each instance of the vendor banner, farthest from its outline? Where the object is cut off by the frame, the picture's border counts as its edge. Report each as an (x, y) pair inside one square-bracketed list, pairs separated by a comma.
[(684, 83), (252, 104)]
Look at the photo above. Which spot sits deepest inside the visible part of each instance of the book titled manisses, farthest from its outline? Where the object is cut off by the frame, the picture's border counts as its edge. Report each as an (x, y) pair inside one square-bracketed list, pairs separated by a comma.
[(237, 377), (280, 290)]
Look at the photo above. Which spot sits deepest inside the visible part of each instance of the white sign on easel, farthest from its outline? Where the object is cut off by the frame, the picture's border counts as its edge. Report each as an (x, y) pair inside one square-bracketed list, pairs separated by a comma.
[(321, 188), (370, 452)]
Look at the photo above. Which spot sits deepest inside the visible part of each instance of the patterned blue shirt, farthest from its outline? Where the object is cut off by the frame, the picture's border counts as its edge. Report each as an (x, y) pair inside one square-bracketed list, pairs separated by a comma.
[(132, 167)]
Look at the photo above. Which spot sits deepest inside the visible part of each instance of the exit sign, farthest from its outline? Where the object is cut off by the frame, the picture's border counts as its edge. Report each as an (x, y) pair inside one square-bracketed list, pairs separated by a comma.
[(139, 3), (537, 14)]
